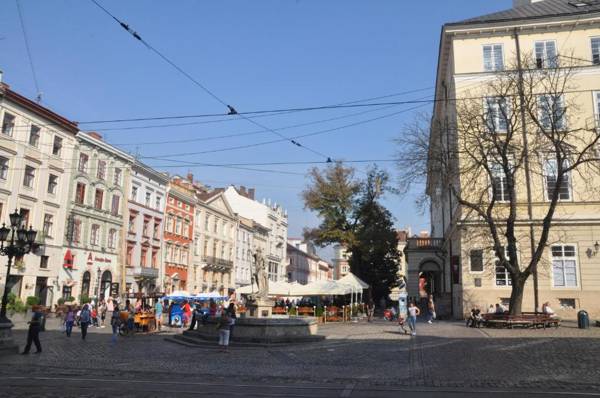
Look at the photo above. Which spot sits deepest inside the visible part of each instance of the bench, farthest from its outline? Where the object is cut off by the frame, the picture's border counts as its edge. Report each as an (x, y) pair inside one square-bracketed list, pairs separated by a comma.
[(279, 311), (306, 311), (334, 314), (524, 320)]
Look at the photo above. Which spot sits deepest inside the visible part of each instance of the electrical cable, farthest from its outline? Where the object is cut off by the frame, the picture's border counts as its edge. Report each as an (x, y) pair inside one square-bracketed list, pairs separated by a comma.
[(25, 37)]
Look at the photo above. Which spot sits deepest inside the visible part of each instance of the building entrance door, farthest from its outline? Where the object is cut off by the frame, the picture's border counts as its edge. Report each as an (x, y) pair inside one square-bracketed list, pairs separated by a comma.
[(41, 289)]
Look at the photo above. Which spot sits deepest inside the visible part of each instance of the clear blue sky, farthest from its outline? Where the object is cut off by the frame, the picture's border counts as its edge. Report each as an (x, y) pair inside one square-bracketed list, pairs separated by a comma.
[(253, 54)]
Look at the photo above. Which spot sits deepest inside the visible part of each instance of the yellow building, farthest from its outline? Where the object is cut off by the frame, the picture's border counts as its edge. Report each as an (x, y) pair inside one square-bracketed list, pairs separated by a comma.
[(552, 38)]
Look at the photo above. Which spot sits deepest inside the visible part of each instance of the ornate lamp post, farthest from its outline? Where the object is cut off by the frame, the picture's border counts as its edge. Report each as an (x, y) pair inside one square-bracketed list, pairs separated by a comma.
[(99, 272), (20, 243)]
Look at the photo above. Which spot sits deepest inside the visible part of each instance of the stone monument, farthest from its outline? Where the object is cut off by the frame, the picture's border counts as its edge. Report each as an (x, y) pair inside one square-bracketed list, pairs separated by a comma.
[(259, 305)]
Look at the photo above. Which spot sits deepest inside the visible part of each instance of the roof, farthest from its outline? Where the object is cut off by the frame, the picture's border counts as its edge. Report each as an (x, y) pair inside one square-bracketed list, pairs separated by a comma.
[(538, 10)]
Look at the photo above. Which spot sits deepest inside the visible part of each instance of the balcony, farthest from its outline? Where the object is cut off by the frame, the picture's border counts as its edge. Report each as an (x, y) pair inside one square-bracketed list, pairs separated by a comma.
[(217, 264), (425, 244), (146, 272)]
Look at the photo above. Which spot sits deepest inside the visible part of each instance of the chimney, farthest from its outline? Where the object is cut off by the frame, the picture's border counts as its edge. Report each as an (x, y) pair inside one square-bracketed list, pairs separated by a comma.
[(251, 193), (190, 177), (94, 134), (242, 190), (521, 3)]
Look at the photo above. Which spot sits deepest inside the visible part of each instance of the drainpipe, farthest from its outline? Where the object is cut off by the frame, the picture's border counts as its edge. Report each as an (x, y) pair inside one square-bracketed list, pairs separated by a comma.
[(527, 168), (450, 252)]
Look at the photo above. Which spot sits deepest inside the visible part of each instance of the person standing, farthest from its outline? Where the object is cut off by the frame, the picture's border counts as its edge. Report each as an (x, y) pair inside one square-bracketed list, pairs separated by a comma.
[(430, 309), (413, 312), (33, 334), (158, 311), (224, 327), (232, 318), (115, 321), (103, 310), (69, 320), (84, 320), (370, 311)]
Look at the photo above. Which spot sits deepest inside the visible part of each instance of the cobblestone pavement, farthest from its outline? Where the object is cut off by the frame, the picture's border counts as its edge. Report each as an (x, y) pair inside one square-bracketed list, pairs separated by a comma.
[(444, 355)]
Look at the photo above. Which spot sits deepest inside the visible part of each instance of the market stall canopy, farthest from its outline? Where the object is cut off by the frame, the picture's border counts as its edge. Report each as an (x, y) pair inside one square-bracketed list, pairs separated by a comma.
[(354, 281), (208, 296), (324, 288), (275, 289), (179, 295)]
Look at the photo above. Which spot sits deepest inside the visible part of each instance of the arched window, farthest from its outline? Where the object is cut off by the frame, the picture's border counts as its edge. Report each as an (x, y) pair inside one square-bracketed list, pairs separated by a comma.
[(85, 284)]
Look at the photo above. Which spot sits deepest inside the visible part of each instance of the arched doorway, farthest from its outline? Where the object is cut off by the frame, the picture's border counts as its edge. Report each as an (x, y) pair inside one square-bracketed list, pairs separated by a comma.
[(85, 284), (105, 283), (430, 279)]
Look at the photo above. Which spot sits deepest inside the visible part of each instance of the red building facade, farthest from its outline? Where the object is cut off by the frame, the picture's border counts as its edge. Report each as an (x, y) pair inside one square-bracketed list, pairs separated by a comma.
[(178, 234)]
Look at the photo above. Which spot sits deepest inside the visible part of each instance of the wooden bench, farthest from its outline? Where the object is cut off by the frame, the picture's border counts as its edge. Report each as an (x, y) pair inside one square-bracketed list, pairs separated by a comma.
[(279, 311), (334, 314), (524, 320), (306, 311)]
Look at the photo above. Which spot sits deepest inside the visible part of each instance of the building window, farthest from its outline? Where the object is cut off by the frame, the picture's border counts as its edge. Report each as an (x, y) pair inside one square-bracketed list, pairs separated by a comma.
[(156, 232), (552, 112), (205, 249), (148, 198), (114, 207), (117, 177), (95, 235), (83, 163), (101, 173), (597, 107), (207, 223), (3, 168), (500, 190), (29, 176), (496, 114), (98, 199), (146, 228), (216, 226), (77, 231), (134, 193), (567, 303), (57, 146), (215, 249), (158, 202), (112, 238), (24, 216), (8, 124), (129, 255), (596, 50), (502, 275), (34, 136), (132, 223), (52, 184), (476, 257), (143, 257), (551, 177), (178, 226), (564, 266), (80, 193), (493, 57), (545, 54), (66, 292), (154, 258), (44, 262), (48, 221)]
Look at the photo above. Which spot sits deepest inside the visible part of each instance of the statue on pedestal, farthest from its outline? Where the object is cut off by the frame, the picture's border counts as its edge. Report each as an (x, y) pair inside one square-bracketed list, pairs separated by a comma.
[(260, 276)]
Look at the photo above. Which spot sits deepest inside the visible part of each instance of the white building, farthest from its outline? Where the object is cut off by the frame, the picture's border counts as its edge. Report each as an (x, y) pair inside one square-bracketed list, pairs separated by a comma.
[(341, 262), (144, 266), (36, 148), (245, 247), (269, 216)]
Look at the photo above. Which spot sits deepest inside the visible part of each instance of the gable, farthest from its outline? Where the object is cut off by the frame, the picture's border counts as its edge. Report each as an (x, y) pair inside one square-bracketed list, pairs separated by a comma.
[(219, 203)]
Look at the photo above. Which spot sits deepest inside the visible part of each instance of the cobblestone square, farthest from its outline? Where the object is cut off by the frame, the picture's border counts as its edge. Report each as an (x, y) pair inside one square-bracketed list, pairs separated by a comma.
[(367, 357)]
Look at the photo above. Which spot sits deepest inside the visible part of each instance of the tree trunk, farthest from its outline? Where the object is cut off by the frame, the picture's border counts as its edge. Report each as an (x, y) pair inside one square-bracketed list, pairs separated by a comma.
[(516, 295)]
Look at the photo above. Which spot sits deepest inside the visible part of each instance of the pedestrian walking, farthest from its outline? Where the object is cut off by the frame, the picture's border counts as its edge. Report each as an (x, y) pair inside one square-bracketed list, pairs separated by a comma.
[(115, 321), (84, 320), (158, 311), (103, 310), (224, 327), (430, 309), (69, 320), (370, 310), (232, 318), (413, 312), (33, 334)]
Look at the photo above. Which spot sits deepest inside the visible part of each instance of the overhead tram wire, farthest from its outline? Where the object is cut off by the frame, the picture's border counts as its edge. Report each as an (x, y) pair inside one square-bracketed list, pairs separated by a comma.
[(29, 57), (232, 110)]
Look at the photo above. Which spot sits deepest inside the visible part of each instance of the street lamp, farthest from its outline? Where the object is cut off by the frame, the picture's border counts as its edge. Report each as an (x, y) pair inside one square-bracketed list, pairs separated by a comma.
[(99, 272), (21, 242)]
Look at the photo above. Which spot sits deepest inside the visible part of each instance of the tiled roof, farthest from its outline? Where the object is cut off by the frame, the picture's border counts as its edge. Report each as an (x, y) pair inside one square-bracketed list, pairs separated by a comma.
[(542, 9)]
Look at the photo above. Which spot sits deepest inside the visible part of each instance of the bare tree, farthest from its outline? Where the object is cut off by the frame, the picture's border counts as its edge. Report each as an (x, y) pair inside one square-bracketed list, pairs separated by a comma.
[(494, 143)]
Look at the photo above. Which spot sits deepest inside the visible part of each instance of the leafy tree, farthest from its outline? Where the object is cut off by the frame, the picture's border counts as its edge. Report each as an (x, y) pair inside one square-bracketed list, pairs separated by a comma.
[(353, 217)]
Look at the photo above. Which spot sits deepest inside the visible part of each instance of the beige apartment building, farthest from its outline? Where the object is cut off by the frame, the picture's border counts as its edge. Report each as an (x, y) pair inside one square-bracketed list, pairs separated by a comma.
[(458, 264)]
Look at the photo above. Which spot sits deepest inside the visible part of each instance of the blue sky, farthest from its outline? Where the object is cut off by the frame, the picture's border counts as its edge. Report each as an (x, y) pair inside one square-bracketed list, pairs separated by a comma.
[(269, 54)]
